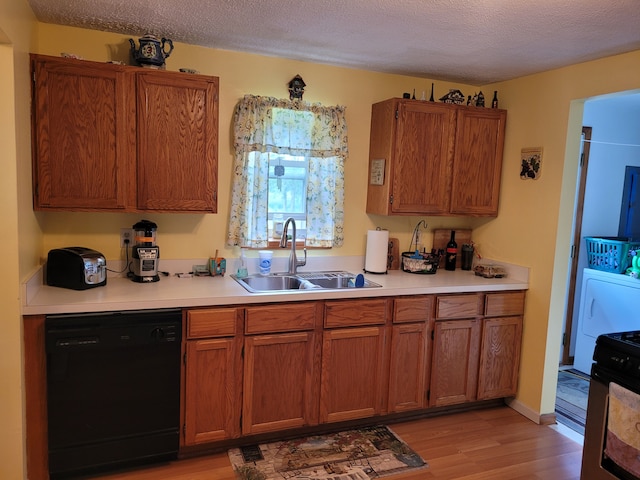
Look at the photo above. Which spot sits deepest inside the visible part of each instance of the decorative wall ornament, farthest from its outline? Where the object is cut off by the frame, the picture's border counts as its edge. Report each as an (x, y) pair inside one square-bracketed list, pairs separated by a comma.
[(296, 87), (531, 163)]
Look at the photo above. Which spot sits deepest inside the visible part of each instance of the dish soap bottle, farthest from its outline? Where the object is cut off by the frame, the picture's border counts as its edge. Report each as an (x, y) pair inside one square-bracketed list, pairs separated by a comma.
[(242, 268), (451, 253)]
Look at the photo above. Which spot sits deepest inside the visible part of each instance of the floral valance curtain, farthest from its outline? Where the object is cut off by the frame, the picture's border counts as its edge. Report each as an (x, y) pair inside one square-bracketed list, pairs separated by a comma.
[(264, 125)]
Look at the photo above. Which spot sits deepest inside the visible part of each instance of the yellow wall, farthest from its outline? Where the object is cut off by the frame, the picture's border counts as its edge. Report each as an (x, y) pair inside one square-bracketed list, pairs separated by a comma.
[(532, 229), (16, 29)]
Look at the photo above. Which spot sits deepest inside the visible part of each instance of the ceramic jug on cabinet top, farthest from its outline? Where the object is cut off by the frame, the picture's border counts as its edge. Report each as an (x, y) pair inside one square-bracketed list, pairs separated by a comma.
[(152, 51)]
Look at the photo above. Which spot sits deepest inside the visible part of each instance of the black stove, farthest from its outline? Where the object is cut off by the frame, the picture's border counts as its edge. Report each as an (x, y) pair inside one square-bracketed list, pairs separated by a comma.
[(619, 353)]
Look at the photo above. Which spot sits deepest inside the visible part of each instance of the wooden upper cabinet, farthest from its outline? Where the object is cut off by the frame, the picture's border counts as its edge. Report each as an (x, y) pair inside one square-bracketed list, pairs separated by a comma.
[(477, 164), (177, 141), (81, 148), (123, 139), (430, 158), (413, 142)]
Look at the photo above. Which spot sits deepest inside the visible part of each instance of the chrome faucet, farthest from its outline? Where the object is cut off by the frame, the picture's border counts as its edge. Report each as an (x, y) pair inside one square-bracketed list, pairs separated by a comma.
[(294, 263)]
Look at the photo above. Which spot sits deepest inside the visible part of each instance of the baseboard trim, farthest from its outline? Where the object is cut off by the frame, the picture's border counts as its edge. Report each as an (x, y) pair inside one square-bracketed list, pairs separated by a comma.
[(536, 417)]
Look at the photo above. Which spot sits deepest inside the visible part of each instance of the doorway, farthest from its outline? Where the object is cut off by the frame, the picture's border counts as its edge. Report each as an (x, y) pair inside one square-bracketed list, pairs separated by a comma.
[(595, 203), (630, 208), (608, 175)]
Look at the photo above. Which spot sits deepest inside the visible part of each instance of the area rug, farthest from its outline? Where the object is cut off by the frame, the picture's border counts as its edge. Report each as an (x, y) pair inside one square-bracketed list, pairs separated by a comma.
[(571, 399), (360, 454)]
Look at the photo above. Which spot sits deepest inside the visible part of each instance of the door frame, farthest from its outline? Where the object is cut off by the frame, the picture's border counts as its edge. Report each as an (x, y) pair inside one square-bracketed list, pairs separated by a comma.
[(567, 359)]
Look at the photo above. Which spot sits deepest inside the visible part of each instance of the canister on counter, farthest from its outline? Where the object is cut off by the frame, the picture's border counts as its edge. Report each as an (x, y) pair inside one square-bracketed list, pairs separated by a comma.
[(467, 256), (217, 266)]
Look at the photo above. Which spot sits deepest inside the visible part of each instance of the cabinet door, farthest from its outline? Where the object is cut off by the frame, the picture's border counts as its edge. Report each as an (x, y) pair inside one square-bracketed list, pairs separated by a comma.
[(280, 382), (212, 390), (81, 146), (477, 164), (499, 357), (410, 155), (177, 137), (352, 373), (455, 362), (408, 367), (422, 159)]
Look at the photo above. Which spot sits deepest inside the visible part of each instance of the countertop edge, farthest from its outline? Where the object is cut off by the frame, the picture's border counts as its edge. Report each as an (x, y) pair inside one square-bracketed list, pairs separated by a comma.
[(171, 292)]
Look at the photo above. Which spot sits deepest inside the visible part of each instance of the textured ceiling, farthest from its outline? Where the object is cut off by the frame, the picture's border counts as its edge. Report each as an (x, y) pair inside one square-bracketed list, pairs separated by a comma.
[(468, 41)]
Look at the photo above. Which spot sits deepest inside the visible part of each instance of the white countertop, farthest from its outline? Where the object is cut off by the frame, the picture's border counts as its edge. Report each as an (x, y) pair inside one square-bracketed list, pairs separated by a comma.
[(121, 293)]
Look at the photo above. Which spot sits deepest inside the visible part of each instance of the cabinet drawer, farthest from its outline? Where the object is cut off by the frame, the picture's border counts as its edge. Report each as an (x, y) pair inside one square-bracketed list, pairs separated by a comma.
[(355, 312), (290, 317), (459, 306), (212, 322), (507, 303), (413, 309)]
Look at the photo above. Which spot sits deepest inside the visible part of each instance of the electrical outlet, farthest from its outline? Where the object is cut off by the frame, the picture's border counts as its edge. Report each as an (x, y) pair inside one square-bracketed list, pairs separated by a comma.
[(126, 237)]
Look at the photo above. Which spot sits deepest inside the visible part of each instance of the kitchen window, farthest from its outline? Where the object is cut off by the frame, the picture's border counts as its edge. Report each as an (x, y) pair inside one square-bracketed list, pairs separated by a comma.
[(287, 193), (289, 161)]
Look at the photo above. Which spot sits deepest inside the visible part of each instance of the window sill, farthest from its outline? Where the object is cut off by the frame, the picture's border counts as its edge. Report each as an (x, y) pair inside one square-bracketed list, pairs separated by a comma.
[(275, 243)]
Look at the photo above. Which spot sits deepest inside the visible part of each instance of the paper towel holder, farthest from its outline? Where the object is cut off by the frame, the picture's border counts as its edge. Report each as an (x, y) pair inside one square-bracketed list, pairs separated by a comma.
[(383, 254)]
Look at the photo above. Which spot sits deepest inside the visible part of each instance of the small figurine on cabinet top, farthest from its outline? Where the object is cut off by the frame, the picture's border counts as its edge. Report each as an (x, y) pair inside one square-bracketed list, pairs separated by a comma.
[(480, 99), (454, 96), (296, 87)]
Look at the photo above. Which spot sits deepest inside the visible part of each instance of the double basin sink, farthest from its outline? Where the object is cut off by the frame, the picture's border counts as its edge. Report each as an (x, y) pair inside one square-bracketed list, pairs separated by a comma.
[(278, 282)]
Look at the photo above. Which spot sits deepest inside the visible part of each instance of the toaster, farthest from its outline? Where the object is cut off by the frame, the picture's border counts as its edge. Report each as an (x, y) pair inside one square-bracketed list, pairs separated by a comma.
[(77, 268)]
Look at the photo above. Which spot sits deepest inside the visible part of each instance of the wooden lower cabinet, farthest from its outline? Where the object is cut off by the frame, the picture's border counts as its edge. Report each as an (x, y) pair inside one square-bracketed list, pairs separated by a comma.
[(212, 393), (476, 358), (281, 367), (410, 357), (267, 368), (408, 367), (354, 363), (352, 373), (501, 344), (280, 382), (499, 357), (455, 362), (212, 375)]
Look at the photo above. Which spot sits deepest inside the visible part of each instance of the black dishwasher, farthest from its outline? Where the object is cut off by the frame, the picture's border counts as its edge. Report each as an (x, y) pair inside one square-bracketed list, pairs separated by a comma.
[(113, 389)]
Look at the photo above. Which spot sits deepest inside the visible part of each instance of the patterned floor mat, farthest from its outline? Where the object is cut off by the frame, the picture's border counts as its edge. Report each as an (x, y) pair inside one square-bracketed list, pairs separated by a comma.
[(360, 454)]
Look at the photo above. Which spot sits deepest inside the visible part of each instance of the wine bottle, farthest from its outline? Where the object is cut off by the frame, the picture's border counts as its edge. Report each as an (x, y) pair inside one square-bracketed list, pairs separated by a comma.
[(451, 253), (494, 102)]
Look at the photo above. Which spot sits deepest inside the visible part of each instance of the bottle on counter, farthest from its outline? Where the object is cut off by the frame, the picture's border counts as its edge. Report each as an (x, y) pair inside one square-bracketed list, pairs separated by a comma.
[(494, 102), (451, 253)]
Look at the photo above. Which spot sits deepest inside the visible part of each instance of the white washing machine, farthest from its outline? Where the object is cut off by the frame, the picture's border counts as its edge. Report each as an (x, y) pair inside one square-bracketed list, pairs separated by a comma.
[(609, 303)]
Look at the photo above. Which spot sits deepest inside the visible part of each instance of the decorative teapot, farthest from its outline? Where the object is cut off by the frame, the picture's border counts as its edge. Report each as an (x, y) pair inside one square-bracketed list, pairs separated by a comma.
[(152, 51)]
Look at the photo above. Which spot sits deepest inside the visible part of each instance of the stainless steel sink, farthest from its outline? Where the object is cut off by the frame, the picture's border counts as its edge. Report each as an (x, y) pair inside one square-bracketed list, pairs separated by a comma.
[(278, 282), (268, 283)]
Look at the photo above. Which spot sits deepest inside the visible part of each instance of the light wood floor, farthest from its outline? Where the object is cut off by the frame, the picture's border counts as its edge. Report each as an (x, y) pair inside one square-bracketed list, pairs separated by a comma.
[(493, 444)]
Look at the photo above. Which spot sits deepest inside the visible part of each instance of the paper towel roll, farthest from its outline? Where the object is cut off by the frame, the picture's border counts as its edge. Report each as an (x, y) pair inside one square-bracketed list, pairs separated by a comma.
[(377, 247)]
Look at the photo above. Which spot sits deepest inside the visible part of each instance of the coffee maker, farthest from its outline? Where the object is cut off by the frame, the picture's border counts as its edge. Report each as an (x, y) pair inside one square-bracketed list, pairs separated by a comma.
[(145, 252)]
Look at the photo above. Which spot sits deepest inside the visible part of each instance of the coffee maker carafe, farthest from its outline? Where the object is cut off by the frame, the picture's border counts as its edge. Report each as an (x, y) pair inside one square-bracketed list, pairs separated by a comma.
[(145, 252)]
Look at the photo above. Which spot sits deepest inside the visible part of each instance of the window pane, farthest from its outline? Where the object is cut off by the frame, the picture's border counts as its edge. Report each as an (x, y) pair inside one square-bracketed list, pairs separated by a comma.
[(286, 195)]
